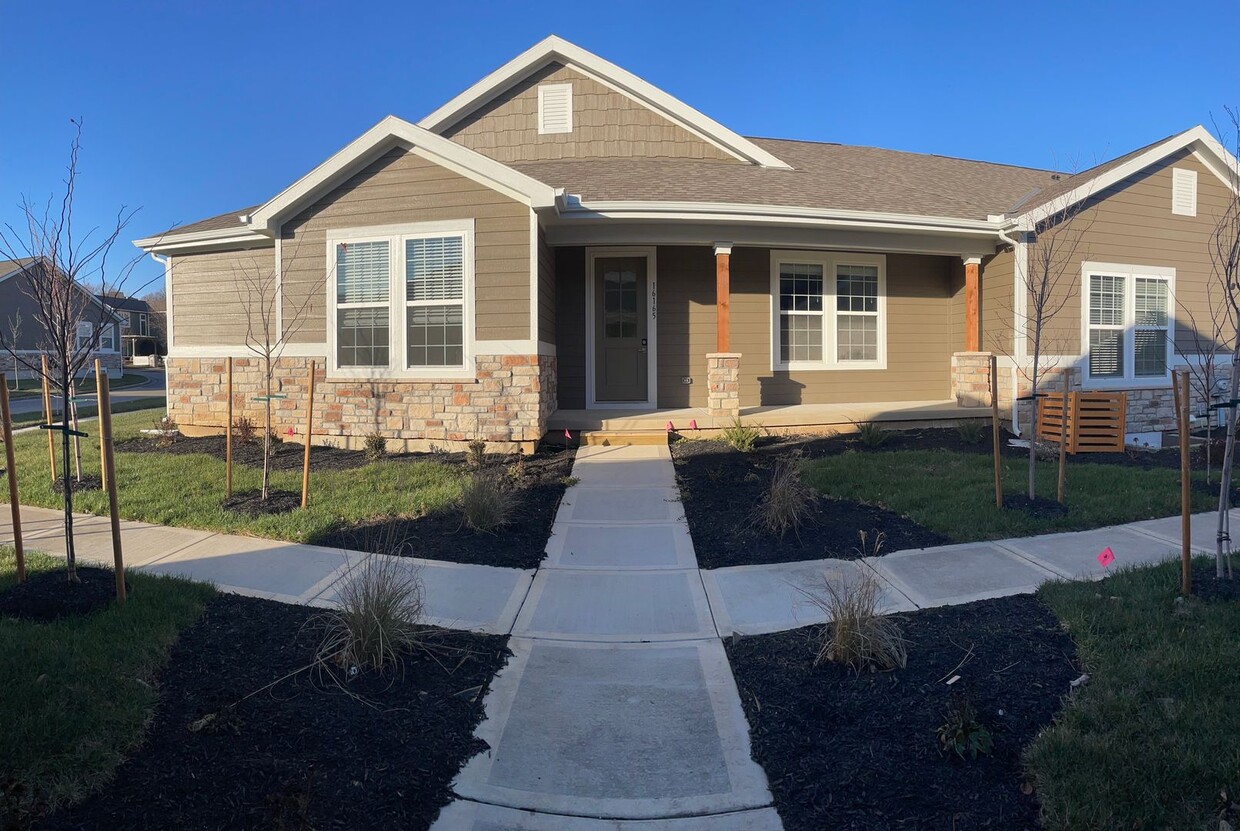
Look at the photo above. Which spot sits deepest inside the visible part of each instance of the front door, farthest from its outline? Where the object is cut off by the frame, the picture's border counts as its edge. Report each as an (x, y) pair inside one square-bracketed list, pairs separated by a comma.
[(620, 329)]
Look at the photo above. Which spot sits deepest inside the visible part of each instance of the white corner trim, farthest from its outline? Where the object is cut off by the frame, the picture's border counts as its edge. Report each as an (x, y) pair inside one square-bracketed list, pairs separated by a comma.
[(535, 275), (555, 49), (1198, 138), (388, 133)]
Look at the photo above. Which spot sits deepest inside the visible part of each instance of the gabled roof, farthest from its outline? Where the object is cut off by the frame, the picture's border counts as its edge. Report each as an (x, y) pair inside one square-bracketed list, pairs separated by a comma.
[(557, 50), (1070, 190)]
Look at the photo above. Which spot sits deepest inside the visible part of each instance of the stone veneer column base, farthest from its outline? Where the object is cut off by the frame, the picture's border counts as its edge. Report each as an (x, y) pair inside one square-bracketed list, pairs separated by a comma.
[(723, 384), (971, 379)]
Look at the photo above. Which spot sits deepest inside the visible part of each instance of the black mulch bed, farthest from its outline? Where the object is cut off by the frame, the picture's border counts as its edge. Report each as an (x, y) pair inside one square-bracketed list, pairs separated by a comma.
[(844, 751), (48, 595), (443, 536), (1209, 587), (720, 487), (89, 482), (250, 503), (1039, 507), (303, 754), (285, 455)]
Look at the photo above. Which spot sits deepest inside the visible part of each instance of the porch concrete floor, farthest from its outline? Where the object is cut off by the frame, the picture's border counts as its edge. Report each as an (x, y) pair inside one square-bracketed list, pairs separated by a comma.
[(781, 418)]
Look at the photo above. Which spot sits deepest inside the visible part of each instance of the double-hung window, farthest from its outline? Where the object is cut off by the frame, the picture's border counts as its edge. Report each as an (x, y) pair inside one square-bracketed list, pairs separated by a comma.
[(829, 311), (402, 300), (1128, 326), (85, 334), (107, 339)]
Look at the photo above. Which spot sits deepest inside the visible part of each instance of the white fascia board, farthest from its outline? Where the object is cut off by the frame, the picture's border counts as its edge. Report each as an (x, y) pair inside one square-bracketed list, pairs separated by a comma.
[(561, 51), (388, 133), (240, 237), (766, 214), (1198, 137)]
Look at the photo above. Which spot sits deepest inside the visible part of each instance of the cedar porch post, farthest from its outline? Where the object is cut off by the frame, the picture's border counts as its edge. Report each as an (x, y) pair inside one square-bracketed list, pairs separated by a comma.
[(723, 297), (972, 304)]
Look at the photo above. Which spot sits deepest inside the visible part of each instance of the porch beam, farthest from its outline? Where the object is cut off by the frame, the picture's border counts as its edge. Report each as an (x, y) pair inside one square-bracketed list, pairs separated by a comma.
[(972, 304), (723, 296)]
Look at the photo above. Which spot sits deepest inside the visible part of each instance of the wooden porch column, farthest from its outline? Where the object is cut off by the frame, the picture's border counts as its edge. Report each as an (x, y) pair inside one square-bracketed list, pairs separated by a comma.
[(723, 297), (972, 304)]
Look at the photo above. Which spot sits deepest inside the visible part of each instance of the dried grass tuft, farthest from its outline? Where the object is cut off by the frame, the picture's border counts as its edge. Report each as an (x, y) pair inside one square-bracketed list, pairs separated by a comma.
[(857, 634), (487, 502), (378, 617), (788, 502)]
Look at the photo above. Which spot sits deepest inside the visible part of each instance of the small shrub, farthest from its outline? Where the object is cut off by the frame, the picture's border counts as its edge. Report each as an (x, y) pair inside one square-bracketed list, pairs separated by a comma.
[(871, 434), (477, 454), (788, 501), (961, 732), (166, 431), (243, 430), (517, 469), (375, 445), (857, 634), (740, 436), (486, 504), (972, 431), (378, 617)]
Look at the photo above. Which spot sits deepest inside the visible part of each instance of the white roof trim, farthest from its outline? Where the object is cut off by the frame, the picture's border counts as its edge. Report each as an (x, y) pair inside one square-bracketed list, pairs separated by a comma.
[(1217, 160), (571, 209), (556, 49), (216, 237), (388, 133)]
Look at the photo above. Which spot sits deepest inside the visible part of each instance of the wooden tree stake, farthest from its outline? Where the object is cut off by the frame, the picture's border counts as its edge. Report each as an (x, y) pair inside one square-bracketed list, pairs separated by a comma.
[(1186, 496), (228, 434), (994, 428), (47, 419), (103, 476), (109, 468), (10, 466), (1063, 436), (305, 463)]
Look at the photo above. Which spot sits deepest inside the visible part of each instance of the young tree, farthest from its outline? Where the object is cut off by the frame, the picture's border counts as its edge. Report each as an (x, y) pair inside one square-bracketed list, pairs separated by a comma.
[(259, 291), (1212, 345), (60, 272), (14, 324), (1225, 277), (1055, 249)]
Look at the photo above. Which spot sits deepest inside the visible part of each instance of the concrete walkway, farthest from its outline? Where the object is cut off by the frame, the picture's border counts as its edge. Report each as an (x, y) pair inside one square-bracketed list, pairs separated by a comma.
[(618, 709)]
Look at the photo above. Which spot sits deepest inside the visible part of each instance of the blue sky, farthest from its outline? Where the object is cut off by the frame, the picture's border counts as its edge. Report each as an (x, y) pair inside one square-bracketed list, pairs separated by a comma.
[(196, 108)]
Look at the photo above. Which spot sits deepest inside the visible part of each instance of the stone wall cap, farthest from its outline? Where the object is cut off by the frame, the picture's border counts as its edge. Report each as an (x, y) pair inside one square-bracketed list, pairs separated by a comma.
[(723, 354)]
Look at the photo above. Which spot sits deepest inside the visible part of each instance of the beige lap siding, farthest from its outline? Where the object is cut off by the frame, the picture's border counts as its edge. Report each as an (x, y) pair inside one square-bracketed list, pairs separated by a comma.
[(207, 306), (510, 401), (401, 188)]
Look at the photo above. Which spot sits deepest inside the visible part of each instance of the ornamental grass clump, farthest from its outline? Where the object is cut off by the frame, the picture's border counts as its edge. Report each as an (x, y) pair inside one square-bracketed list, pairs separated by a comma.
[(487, 502), (856, 634), (788, 502), (871, 434), (741, 437), (378, 617), (972, 432)]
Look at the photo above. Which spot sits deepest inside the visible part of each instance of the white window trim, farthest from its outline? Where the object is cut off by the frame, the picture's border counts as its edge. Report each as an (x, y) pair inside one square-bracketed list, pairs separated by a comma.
[(395, 235), (108, 333), (830, 329), (1129, 380)]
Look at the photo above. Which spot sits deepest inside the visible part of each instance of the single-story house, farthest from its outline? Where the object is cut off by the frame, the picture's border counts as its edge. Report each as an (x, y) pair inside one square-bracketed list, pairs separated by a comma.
[(23, 329), (565, 245)]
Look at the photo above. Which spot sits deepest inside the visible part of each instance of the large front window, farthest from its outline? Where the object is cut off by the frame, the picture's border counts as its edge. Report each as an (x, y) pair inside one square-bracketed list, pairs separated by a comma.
[(402, 300), (829, 310), (1128, 328)]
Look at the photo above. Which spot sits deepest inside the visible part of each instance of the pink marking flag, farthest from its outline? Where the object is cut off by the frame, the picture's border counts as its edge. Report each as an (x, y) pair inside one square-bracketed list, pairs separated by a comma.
[(1106, 557), (693, 424), (567, 435), (290, 432), (670, 427)]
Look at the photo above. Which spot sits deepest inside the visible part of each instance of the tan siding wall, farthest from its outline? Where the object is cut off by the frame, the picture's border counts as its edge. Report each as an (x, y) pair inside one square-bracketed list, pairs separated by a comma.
[(400, 188), (605, 123), (546, 289), (570, 326), (998, 274), (686, 323), (1132, 224), (207, 306)]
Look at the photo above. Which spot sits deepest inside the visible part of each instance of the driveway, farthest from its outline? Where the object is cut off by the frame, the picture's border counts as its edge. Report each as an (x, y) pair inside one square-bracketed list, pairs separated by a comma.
[(153, 386)]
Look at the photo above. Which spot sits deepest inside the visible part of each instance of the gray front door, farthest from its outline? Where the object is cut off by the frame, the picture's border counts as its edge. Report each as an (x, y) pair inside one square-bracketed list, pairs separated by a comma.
[(620, 329)]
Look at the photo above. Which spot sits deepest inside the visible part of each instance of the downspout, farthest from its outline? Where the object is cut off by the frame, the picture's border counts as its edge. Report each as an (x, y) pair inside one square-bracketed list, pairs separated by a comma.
[(1018, 344)]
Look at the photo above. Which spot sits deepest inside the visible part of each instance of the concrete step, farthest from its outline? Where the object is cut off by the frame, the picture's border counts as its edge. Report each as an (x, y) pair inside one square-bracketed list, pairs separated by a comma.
[(612, 438)]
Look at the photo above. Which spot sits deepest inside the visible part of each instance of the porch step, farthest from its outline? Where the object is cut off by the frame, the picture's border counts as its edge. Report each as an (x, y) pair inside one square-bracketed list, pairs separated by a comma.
[(605, 438)]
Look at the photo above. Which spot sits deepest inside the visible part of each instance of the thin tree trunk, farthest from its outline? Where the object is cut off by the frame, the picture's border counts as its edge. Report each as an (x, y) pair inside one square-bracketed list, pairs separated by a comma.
[(77, 441), (67, 478), (1033, 413), (267, 427)]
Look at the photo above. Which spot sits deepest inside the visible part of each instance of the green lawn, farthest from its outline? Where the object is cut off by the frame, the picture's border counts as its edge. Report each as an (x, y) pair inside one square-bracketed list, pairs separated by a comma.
[(77, 693), (27, 419), (1155, 736), (953, 493), (186, 490)]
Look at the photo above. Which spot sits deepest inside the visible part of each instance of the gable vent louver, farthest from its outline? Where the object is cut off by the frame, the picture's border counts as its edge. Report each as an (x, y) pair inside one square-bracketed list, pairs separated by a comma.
[(1183, 192), (555, 108)]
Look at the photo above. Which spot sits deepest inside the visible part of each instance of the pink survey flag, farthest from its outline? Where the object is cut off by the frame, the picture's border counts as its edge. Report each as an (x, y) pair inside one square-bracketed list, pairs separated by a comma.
[(693, 424), (670, 427), (290, 432), (1106, 557), (567, 434)]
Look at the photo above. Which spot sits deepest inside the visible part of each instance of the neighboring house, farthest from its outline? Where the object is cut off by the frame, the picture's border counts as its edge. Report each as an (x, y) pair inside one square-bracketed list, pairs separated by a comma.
[(565, 245), (142, 330), (22, 325)]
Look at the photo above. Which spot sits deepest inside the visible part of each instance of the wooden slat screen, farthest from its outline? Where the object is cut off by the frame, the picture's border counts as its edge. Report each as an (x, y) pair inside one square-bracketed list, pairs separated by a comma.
[(1094, 421)]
